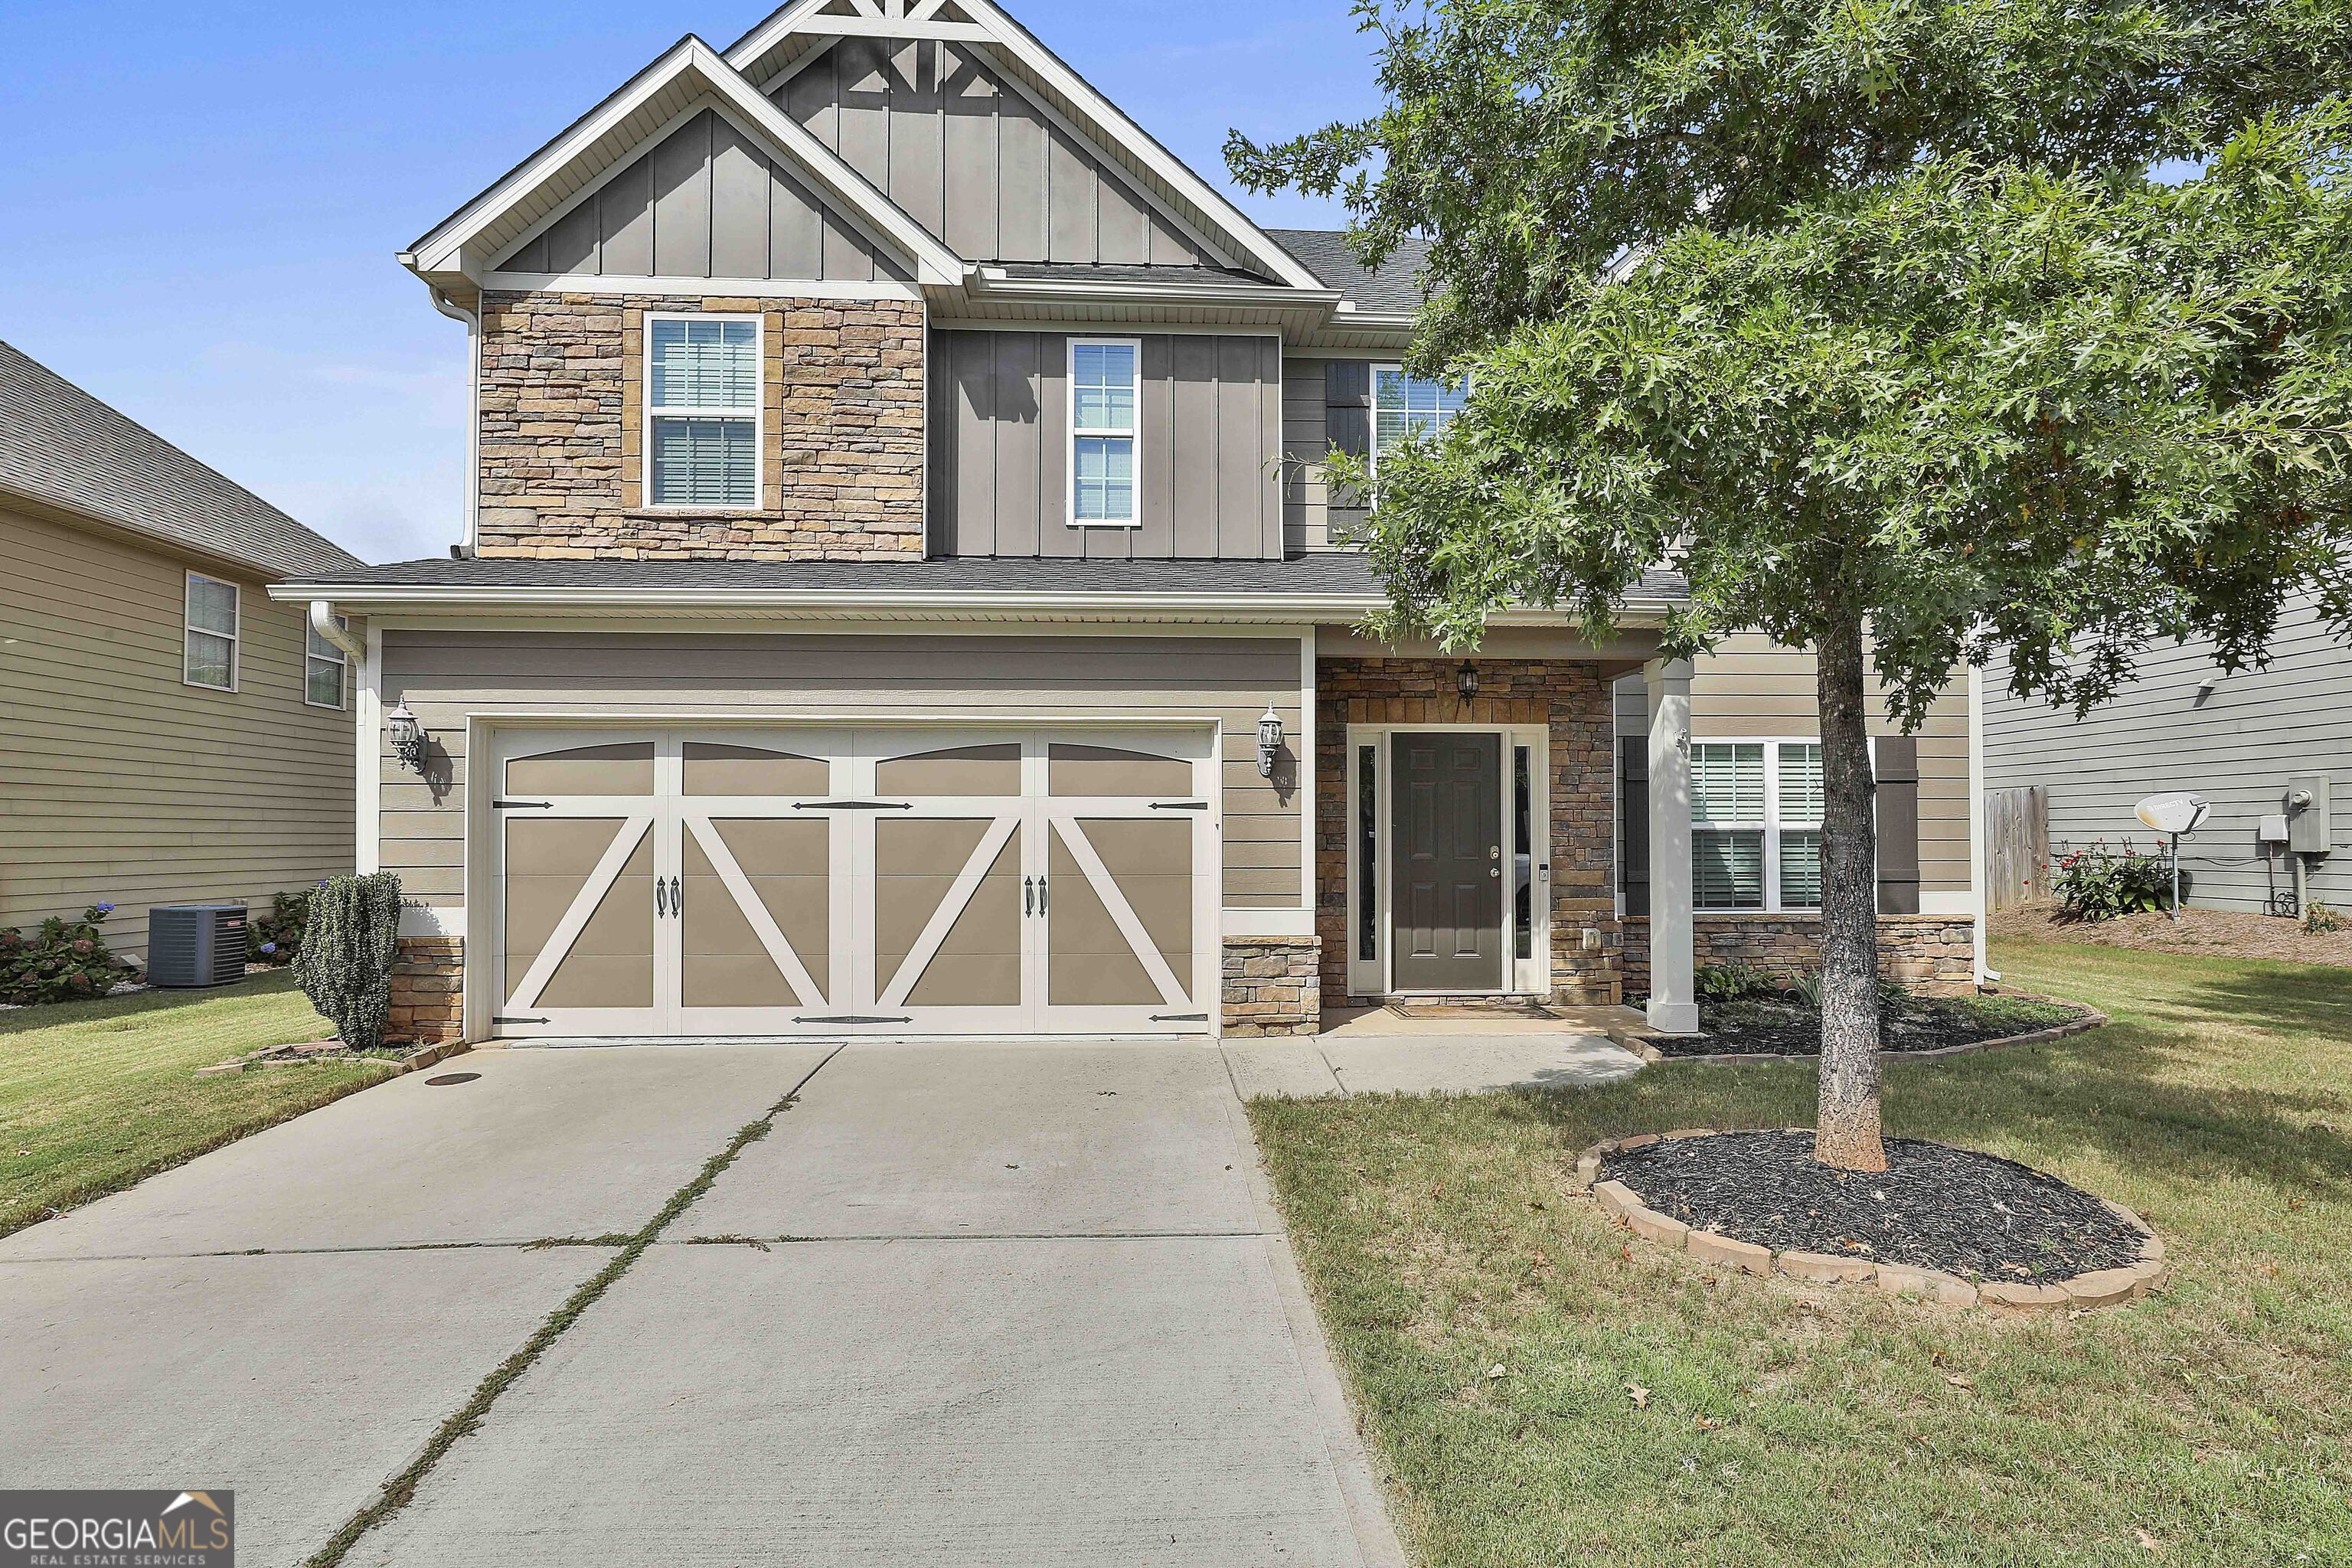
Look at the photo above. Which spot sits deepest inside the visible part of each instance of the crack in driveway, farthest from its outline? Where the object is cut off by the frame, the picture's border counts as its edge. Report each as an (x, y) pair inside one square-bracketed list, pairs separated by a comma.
[(467, 1418)]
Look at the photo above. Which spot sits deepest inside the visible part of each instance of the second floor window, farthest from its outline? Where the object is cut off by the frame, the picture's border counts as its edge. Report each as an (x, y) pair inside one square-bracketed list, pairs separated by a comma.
[(1756, 825), (1405, 406), (1105, 390), (702, 411), (324, 668), (212, 634)]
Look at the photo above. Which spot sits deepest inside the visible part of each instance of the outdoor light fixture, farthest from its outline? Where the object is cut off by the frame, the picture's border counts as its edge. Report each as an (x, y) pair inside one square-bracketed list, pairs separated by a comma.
[(1269, 742), (407, 738), (1466, 681)]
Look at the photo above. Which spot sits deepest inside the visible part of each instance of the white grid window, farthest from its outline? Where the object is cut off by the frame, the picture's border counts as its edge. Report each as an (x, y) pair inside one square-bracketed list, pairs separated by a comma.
[(212, 626), (702, 412), (1106, 387), (324, 668), (1756, 825), (1405, 406)]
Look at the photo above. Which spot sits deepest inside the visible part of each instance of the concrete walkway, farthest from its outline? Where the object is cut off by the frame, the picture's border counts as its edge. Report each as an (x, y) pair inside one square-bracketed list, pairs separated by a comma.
[(1449, 1055), (952, 1304)]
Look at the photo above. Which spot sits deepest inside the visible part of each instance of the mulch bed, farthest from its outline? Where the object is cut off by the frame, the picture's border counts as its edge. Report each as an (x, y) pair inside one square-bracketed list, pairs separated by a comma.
[(2207, 934), (1784, 1026), (1952, 1210)]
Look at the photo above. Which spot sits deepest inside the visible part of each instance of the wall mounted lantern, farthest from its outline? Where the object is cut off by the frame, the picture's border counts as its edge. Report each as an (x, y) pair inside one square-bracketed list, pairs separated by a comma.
[(407, 737), (1466, 681), (1269, 742)]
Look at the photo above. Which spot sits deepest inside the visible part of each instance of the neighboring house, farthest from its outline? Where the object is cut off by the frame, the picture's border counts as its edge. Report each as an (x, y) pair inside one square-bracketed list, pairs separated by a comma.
[(900, 599), (173, 734), (2247, 743)]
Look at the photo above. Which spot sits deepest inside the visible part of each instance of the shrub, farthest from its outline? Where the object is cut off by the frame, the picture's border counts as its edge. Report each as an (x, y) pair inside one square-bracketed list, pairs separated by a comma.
[(61, 961), (1734, 982), (2319, 920), (2097, 884), (344, 964), (278, 935)]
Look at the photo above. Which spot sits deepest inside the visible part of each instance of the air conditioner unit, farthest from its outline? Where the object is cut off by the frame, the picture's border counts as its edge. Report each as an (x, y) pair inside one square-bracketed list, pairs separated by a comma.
[(196, 944)]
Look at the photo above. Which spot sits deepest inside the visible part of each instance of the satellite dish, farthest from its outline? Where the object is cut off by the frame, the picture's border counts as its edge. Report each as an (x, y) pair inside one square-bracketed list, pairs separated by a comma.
[(2175, 812)]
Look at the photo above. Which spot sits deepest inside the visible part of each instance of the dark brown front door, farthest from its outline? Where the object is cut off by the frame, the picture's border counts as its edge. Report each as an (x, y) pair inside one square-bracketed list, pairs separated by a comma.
[(1446, 898)]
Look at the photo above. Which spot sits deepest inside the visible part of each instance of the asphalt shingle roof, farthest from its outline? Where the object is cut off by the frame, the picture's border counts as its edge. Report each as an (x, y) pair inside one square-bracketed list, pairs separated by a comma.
[(1336, 572), (61, 446), (1326, 253)]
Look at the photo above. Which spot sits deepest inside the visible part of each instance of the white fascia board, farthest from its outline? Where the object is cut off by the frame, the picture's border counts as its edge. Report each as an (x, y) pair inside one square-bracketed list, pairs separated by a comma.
[(991, 283), (1019, 42), (827, 603), (444, 249)]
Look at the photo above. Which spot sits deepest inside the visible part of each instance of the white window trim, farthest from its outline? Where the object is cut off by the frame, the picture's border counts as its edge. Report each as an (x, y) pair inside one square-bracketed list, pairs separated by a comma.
[(235, 634), (1771, 825), (1134, 434), (335, 656), (1381, 368), (758, 416)]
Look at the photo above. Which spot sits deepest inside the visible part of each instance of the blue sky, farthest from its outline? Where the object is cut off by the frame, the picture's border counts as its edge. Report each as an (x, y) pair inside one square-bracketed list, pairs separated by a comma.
[(204, 201)]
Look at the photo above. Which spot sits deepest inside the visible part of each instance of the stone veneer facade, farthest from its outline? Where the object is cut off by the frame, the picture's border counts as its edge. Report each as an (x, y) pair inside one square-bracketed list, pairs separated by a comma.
[(1273, 986), (562, 411), (1933, 954), (428, 992), (1571, 699)]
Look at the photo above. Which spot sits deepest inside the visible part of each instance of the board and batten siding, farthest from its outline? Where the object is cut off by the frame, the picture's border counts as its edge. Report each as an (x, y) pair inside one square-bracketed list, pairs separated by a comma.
[(2238, 745), (1309, 521), (704, 203), (844, 679), (121, 785), (1210, 427), (1753, 689), (959, 149)]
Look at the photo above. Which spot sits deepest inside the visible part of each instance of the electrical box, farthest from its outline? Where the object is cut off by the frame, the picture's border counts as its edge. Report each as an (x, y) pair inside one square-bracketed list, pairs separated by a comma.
[(2272, 829), (2309, 829)]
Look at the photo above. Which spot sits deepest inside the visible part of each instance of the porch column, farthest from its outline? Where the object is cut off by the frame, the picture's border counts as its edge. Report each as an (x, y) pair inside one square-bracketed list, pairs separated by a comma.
[(1673, 996)]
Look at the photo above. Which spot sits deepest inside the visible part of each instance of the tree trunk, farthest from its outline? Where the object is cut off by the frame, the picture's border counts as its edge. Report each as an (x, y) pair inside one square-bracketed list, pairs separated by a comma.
[(1847, 1135)]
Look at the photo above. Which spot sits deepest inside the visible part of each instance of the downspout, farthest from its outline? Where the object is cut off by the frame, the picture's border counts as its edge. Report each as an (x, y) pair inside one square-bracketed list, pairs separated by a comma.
[(473, 322), (324, 622)]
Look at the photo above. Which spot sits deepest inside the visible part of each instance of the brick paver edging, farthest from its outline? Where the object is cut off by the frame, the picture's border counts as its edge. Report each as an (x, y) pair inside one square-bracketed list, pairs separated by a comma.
[(1638, 1042), (2103, 1288)]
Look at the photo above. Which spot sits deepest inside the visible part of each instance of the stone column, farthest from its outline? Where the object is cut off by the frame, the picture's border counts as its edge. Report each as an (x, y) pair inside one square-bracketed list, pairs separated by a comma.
[(1673, 996)]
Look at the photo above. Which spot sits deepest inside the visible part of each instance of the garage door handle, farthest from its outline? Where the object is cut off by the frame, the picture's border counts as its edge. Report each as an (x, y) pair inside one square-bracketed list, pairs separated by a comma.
[(661, 898), (1028, 895), (676, 897)]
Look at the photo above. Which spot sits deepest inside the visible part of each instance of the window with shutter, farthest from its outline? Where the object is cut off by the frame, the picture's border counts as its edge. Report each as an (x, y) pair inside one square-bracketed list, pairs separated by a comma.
[(1756, 825), (1404, 406)]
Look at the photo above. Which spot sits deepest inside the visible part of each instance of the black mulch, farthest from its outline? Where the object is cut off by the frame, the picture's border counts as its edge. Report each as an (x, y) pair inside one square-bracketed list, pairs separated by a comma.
[(1976, 1215), (1783, 1025)]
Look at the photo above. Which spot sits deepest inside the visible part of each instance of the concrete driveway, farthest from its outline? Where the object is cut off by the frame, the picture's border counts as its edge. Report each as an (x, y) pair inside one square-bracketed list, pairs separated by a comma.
[(951, 1304)]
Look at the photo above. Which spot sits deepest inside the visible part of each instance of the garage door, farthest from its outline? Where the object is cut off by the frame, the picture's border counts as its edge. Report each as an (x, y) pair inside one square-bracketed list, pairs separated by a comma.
[(897, 883)]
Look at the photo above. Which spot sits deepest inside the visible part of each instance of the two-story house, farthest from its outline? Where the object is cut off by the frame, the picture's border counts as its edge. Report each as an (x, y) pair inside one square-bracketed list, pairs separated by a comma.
[(900, 599)]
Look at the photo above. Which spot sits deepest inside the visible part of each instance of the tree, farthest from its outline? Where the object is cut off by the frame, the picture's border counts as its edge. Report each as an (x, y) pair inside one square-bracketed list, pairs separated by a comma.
[(1873, 321)]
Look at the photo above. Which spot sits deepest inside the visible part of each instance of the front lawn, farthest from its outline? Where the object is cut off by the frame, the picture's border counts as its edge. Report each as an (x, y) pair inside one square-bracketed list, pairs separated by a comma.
[(95, 1096), (1650, 1411)]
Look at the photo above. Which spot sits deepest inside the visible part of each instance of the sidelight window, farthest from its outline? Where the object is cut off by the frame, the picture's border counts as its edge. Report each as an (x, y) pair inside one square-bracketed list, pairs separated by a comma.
[(1367, 883)]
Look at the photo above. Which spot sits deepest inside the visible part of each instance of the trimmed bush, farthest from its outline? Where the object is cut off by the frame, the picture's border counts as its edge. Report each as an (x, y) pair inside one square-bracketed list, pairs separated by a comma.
[(345, 961), (61, 961), (1733, 982), (278, 935)]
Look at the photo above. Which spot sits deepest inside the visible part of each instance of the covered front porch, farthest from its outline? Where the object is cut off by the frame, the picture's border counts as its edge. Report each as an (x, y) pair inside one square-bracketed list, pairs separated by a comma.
[(1467, 828)]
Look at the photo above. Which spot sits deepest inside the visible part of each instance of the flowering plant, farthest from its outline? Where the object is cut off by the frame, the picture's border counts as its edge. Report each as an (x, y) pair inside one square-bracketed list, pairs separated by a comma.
[(2096, 884), (278, 935), (60, 961)]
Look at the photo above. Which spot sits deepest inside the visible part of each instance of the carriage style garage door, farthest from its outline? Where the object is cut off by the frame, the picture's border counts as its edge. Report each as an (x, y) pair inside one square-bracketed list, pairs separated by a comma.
[(897, 883)]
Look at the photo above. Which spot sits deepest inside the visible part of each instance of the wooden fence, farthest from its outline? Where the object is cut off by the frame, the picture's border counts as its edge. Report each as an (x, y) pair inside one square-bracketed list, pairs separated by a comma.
[(2016, 846)]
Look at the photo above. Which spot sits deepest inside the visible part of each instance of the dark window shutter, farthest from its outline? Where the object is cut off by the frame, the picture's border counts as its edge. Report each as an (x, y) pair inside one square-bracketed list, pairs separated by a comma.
[(1898, 824), (1633, 822), (1348, 406)]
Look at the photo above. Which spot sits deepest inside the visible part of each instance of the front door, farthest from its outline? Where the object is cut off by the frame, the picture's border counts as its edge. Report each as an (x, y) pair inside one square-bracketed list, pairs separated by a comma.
[(1446, 892)]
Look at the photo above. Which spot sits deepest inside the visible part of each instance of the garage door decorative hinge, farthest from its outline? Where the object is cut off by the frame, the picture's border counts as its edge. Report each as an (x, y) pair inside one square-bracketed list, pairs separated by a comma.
[(504, 1021), (854, 806), (847, 1022), (522, 806), (1180, 1017), (1180, 805)]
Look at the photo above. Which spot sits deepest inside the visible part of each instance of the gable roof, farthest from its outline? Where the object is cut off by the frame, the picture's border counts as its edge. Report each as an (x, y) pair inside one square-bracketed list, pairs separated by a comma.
[(1395, 289), (767, 49), (61, 447), (542, 187)]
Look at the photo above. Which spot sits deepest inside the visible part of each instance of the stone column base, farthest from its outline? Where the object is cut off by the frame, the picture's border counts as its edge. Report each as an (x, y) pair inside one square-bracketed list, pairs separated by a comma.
[(1273, 985), (428, 992)]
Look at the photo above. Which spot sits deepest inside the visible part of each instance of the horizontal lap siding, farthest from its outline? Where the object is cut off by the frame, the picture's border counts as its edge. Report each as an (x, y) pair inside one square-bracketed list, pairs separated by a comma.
[(119, 783), (2238, 747), (445, 676), (1309, 521), (1754, 687)]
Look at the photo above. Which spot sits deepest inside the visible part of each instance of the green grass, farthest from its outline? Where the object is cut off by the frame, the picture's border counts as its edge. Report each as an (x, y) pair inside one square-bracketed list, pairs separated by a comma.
[(95, 1096), (1808, 1425)]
